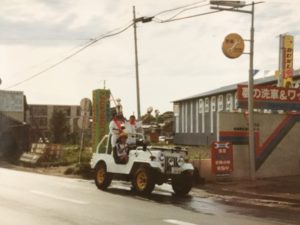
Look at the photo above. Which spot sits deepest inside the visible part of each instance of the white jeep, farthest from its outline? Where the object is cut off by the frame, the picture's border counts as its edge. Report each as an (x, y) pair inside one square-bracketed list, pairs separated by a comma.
[(146, 167)]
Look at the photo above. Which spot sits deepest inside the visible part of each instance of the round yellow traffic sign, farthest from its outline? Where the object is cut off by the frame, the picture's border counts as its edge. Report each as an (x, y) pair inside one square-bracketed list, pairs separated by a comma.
[(233, 46)]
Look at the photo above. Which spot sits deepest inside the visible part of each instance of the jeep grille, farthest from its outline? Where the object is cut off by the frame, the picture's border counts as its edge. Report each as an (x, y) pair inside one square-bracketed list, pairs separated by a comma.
[(169, 163)]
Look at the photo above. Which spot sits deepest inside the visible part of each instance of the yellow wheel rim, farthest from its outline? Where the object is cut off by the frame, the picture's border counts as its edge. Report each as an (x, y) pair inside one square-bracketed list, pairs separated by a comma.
[(101, 175), (141, 180)]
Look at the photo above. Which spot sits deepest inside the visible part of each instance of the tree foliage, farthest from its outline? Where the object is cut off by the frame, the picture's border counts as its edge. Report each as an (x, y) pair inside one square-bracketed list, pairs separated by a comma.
[(59, 127), (148, 119)]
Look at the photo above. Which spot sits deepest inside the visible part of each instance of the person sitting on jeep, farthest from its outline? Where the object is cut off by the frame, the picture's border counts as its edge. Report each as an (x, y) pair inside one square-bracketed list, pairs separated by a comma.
[(120, 150)]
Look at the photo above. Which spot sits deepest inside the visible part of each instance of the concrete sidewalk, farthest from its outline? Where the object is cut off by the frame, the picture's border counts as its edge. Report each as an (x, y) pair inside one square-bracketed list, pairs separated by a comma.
[(284, 190)]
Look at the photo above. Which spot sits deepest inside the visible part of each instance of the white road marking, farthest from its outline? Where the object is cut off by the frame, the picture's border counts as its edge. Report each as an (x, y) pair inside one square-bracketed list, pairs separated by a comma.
[(59, 197), (178, 222)]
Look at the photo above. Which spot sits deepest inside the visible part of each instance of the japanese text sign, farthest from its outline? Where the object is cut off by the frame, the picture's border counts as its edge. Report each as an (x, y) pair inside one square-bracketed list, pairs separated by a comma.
[(288, 50), (221, 158), (269, 97)]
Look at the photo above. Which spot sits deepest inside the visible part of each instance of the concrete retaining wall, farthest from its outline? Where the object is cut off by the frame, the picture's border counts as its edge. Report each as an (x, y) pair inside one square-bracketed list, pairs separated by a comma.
[(277, 143)]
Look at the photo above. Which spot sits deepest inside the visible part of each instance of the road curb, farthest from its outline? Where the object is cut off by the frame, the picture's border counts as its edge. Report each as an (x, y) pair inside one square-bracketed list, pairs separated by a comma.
[(230, 192)]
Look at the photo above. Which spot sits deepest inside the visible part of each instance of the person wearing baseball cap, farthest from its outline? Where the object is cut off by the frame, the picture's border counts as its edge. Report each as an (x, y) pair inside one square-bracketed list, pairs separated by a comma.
[(121, 149)]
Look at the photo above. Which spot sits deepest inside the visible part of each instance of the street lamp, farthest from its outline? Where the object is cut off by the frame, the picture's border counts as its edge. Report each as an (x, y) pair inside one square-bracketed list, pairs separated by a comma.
[(234, 7), (135, 21)]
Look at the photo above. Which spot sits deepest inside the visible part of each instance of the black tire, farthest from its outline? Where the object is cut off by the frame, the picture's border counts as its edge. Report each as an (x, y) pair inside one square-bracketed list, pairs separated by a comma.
[(182, 184), (143, 181), (102, 178)]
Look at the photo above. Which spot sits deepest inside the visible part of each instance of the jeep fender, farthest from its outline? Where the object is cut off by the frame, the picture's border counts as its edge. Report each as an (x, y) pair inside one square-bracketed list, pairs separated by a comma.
[(137, 165), (100, 161)]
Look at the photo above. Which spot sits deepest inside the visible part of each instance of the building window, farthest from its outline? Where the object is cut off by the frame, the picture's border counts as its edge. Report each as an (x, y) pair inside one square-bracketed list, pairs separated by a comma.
[(220, 103), (39, 110), (176, 115), (201, 106), (235, 101), (182, 118), (78, 111), (206, 105), (212, 110), (186, 117), (229, 102), (191, 118), (201, 110), (68, 111), (44, 122), (197, 116), (213, 104)]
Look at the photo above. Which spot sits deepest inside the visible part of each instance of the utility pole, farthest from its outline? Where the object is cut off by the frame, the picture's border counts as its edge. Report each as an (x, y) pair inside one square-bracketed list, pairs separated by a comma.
[(234, 7), (136, 66), (250, 100)]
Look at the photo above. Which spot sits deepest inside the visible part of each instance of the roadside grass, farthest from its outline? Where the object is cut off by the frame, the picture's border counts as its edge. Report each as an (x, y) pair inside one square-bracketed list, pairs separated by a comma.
[(70, 156), (194, 152), (198, 152)]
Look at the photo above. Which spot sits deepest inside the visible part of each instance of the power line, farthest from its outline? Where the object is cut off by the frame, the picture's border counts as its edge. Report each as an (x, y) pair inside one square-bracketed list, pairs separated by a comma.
[(53, 58), (71, 50), (93, 41), (180, 12), (196, 15), (180, 7), (187, 17), (44, 39)]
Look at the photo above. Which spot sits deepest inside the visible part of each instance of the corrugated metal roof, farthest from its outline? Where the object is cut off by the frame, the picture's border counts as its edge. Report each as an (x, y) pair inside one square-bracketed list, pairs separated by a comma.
[(229, 88)]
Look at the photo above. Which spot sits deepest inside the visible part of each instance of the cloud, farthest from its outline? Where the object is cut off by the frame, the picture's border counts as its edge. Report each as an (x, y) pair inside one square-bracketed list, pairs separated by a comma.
[(176, 59), (48, 23)]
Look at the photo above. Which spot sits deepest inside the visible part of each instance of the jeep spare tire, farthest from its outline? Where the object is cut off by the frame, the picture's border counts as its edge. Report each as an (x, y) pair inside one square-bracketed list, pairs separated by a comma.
[(102, 178), (143, 181)]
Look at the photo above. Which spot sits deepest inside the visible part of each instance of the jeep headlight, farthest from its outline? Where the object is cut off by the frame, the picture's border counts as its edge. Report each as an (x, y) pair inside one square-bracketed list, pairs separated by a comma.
[(180, 161), (171, 161), (162, 157)]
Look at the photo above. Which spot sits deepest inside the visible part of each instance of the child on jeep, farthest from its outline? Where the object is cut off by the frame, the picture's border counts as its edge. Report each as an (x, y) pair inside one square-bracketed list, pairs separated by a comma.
[(121, 149)]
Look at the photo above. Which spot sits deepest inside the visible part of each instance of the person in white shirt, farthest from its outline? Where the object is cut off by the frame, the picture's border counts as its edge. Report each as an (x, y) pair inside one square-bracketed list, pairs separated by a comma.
[(132, 127), (115, 128)]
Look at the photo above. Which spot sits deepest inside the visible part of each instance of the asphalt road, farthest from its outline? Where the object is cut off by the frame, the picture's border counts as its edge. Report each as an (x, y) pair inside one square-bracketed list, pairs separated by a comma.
[(34, 199)]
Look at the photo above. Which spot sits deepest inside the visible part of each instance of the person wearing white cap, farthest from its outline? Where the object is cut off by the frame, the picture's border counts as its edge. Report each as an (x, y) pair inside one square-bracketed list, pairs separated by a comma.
[(121, 149)]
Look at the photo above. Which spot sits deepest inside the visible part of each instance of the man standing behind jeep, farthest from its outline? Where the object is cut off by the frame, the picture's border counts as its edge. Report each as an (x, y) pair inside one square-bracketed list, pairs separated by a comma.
[(131, 128)]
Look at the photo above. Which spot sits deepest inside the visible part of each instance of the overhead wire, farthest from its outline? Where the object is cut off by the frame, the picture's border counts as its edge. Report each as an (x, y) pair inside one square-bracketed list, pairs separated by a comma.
[(87, 41), (187, 17), (93, 41), (49, 59), (179, 7), (199, 14), (180, 12)]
